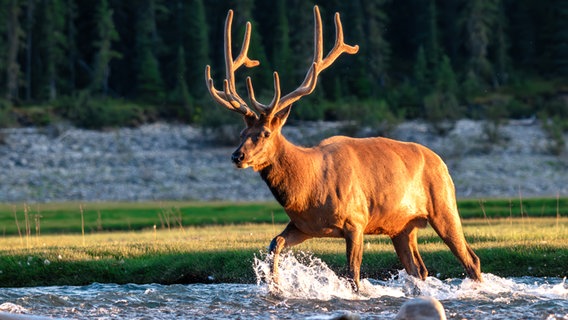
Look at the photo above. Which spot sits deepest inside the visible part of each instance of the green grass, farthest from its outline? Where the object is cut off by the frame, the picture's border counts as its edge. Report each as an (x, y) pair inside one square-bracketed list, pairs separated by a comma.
[(506, 247), (66, 217), (531, 207), (217, 242)]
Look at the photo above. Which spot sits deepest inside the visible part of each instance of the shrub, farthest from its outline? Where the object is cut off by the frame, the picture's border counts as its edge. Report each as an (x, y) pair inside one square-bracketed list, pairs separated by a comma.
[(34, 115), (555, 126), (442, 110), (6, 118), (518, 109), (89, 112)]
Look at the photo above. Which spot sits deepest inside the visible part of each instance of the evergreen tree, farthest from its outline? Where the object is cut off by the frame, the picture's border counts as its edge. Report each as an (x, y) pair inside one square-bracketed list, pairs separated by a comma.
[(13, 35), (378, 48), (350, 76), (501, 48), (150, 86), (262, 75), (30, 7), (432, 43), (53, 44), (196, 45), (421, 71), (559, 43), (300, 12), (479, 21), (182, 104), (4, 13), (281, 50), (446, 77), (71, 32), (107, 34), (451, 40), (442, 106), (522, 31)]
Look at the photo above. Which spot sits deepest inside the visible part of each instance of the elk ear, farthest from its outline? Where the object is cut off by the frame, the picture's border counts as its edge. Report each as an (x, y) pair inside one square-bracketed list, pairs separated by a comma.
[(280, 118)]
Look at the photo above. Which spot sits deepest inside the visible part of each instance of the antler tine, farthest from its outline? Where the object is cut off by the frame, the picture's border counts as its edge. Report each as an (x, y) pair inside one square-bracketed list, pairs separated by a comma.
[(319, 63), (229, 98), (340, 46), (262, 108)]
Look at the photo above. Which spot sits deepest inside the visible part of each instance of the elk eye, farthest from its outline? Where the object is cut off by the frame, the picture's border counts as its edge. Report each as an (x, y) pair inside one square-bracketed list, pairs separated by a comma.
[(266, 134)]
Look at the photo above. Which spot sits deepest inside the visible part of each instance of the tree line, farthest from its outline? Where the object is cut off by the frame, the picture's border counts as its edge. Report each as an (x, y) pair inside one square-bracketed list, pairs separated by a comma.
[(124, 62)]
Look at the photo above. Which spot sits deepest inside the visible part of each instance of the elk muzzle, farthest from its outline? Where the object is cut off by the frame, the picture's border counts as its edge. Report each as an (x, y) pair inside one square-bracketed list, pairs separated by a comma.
[(237, 157)]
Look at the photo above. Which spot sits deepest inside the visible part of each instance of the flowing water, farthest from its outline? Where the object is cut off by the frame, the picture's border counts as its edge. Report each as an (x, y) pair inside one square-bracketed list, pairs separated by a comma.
[(308, 289)]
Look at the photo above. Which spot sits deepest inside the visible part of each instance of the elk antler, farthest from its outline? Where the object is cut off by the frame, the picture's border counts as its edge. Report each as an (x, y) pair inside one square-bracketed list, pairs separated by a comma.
[(229, 98), (318, 65)]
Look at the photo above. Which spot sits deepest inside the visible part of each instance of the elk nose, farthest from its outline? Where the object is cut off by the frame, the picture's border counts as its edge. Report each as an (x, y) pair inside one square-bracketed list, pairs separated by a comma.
[(237, 157)]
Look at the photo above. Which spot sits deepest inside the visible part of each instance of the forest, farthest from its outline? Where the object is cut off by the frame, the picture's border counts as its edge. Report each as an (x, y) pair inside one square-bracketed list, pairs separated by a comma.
[(106, 63)]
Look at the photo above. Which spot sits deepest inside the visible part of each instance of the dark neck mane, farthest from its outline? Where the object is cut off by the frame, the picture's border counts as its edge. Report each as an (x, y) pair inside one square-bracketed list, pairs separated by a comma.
[(290, 175)]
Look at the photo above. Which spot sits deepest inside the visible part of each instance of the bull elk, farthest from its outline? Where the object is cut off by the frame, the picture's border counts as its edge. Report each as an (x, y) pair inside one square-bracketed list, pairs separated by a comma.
[(344, 187)]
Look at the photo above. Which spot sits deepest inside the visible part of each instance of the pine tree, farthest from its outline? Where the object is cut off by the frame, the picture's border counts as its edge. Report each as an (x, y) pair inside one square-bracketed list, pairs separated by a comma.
[(30, 7), (446, 78), (378, 48), (302, 43), (54, 44), (559, 43), (196, 45), (442, 106), (71, 33), (13, 35), (479, 21), (421, 71), (262, 75), (281, 50), (150, 86), (501, 48), (107, 34), (182, 102), (3, 51), (432, 43)]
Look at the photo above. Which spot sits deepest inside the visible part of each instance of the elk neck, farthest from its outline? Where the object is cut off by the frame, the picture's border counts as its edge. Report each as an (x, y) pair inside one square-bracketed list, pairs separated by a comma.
[(292, 173)]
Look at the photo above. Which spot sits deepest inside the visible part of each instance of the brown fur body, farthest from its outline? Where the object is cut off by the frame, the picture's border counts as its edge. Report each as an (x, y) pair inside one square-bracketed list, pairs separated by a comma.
[(348, 187), (344, 187)]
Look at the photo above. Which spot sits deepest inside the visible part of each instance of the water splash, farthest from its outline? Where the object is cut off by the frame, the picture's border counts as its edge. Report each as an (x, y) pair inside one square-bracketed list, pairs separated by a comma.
[(309, 289), (304, 276)]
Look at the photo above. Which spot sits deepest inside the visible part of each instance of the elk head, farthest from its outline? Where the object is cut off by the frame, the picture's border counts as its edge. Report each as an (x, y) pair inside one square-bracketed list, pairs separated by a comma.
[(264, 122)]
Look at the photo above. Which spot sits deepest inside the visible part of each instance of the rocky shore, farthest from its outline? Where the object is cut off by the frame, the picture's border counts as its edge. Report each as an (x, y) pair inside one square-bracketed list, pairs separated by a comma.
[(175, 162)]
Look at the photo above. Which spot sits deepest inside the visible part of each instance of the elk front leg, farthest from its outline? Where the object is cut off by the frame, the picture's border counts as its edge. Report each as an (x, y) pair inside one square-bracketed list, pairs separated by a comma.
[(406, 247), (291, 236), (354, 246)]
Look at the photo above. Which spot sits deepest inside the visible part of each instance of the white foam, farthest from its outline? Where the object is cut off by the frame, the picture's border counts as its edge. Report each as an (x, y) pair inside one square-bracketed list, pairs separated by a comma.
[(12, 308), (304, 276)]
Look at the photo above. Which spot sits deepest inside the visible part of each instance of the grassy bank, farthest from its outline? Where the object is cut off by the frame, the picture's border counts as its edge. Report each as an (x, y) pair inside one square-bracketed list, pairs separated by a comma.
[(524, 246), (96, 217)]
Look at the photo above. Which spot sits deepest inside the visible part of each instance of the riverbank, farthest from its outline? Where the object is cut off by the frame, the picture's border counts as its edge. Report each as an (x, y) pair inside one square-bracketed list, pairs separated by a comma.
[(175, 162), (220, 254)]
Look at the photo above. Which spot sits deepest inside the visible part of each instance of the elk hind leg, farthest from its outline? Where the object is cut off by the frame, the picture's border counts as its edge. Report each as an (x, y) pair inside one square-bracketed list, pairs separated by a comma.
[(406, 247), (448, 226), (291, 236)]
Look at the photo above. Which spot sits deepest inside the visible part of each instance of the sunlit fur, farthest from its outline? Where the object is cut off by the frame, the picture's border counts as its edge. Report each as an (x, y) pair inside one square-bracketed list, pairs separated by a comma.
[(347, 187), (344, 187)]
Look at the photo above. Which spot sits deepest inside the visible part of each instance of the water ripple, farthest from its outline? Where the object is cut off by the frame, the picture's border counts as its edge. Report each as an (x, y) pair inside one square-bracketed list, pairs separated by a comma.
[(308, 290)]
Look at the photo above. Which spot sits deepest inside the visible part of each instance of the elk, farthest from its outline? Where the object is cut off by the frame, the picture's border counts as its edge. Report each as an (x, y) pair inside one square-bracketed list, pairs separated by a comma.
[(344, 187)]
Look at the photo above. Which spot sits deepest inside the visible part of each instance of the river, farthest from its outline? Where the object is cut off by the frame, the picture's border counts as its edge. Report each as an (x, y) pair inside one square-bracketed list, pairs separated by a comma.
[(308, 290)]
